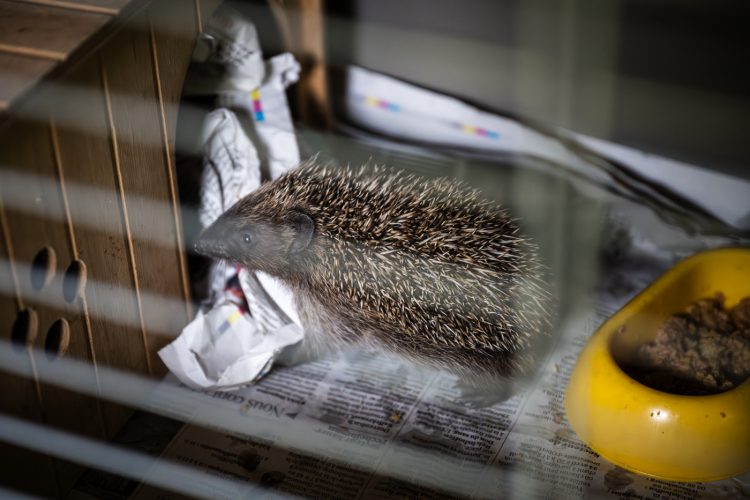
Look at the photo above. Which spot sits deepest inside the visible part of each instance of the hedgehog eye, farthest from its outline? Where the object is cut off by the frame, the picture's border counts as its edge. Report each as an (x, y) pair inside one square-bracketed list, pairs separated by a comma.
[(247, 238)]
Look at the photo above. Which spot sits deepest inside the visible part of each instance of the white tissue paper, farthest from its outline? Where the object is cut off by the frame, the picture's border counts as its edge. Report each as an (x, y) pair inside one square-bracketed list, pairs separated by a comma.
[(227, 56), (398, 109), (268, 109), (253, 319), (225, 348)]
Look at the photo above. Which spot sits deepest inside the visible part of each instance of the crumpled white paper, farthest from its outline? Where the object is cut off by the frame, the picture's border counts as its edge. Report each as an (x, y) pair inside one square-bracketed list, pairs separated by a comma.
[(253, 319), (227, 56), (273, 123), (224, 348)]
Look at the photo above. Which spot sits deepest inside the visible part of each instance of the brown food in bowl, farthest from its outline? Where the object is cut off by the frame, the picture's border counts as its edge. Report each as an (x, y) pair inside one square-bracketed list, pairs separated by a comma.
[(704, 350)]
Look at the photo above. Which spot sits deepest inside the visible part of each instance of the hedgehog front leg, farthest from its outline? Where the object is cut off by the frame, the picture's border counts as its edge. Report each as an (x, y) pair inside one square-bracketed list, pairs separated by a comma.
[(304, 351), (324, 333)]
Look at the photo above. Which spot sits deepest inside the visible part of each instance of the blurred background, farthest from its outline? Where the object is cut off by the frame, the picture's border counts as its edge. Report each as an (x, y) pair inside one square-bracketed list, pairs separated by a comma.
[(614, 132), (667, 77)]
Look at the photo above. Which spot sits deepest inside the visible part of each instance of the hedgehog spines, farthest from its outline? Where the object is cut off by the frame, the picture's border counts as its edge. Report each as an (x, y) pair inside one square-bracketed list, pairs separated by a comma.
[(422, 267)]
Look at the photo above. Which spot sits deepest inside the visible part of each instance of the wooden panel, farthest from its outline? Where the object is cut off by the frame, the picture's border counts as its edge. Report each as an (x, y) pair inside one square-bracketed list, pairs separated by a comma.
[(27, 150), (32, 156), (46, 31), (174, 27), (144, 165), (99, 6), (122, 149), (86, 159), (21, 469), (18, 73)]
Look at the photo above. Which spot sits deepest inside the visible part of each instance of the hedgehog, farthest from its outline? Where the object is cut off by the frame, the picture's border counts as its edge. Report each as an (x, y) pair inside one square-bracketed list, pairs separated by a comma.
[(423, 268)]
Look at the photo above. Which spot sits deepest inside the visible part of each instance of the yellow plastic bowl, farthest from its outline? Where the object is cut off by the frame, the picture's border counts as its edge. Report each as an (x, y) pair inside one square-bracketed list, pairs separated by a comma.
[(663, 435)]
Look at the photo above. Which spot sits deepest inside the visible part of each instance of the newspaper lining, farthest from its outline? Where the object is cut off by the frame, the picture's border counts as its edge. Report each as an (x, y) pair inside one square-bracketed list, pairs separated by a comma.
[(393, 430)]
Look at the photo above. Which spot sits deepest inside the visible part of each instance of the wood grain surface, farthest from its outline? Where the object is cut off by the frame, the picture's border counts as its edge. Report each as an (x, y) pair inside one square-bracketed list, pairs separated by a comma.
[(18, 73), (110, 7), (27, 471), (104, 123), (27, 150), (86, 159), (143, 169), (173, 31), (48, 32)]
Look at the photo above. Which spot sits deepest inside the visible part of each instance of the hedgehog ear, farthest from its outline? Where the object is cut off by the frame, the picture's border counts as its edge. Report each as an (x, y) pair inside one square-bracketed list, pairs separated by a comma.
[(305, 228)]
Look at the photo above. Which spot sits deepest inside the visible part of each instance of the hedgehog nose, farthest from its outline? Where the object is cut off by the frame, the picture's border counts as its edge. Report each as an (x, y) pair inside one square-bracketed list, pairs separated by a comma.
[(211, 244)]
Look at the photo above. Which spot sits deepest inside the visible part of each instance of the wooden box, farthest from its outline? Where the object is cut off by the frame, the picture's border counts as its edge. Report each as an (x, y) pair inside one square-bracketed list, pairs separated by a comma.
[(92, 265)]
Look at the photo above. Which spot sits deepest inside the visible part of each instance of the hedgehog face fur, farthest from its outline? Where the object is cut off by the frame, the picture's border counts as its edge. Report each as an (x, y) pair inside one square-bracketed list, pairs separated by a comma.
[(258, 236), (423, 268)]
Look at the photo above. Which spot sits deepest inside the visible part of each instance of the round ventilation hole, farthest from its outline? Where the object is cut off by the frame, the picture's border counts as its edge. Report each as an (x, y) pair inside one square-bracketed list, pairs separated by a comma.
[(74, 280), (43, 268), (25, 327), (58, 337)]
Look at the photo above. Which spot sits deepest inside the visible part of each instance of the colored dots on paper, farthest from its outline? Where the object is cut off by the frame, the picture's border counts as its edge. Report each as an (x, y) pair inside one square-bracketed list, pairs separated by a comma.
[(382, 104), (257, 108)]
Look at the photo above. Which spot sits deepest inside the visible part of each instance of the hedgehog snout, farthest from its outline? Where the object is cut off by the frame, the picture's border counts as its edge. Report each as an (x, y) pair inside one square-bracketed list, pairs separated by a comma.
[(212, 242)]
